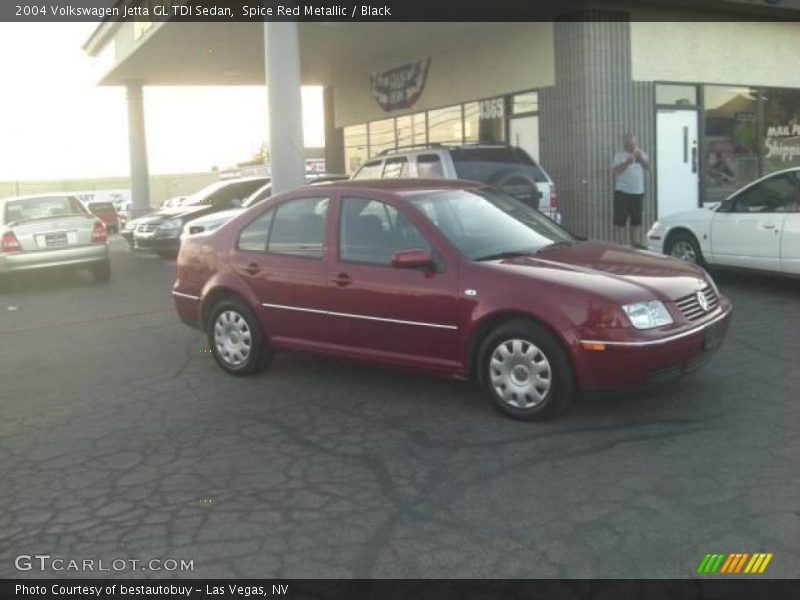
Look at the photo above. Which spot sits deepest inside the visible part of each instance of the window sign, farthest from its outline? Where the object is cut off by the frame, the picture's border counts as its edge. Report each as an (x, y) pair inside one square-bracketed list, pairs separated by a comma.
[(491, 124)]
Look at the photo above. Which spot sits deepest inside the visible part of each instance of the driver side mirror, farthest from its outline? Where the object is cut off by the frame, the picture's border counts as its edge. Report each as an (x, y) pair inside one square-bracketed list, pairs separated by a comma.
[(416, 258)]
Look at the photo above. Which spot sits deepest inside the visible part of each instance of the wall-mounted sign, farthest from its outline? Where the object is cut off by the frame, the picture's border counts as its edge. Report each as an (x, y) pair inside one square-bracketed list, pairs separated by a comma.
[(783, 142), (400, 87)]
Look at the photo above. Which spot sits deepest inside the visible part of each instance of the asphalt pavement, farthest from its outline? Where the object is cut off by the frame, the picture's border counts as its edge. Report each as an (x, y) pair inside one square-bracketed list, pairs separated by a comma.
[(121, 440)]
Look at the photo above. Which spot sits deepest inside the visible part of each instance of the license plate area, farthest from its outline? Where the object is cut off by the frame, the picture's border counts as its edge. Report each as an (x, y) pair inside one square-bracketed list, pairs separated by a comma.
[(58, 239), (711, 337)]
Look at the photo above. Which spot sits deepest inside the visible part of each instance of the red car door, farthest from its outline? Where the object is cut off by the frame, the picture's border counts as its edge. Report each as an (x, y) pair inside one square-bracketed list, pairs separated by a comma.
[(282, 257), (379, 310)]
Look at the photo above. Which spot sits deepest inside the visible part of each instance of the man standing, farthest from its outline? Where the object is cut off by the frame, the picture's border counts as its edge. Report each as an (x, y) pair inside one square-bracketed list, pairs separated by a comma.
[(628, 167)]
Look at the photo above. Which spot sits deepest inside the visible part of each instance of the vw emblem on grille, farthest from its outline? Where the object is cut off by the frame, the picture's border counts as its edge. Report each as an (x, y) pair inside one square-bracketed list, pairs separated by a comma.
[(702, 301)]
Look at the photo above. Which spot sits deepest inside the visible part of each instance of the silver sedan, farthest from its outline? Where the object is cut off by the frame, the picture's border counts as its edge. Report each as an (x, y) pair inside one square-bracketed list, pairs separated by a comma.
[(51, 230)]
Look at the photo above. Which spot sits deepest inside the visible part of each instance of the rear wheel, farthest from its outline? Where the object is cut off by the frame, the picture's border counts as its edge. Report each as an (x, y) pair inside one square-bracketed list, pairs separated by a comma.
[(683, 245), (101, 271), (525, 372), (235, 338)]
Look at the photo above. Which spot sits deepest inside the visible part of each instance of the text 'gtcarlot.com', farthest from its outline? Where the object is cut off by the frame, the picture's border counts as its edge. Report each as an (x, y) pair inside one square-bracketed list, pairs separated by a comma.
[(45, 562)]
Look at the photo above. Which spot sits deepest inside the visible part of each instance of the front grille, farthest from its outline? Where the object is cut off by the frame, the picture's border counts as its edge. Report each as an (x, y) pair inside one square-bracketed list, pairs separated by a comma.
[(690, 305), (146, 227)]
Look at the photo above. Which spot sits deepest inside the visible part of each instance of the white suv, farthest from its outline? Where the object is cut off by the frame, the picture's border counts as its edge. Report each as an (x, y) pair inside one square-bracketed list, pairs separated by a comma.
[(506, 167)]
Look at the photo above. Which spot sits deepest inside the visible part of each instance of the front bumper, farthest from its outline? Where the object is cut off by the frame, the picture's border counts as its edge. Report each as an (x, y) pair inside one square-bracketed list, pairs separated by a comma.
[(642, 363), (77, 256), (156, 242)]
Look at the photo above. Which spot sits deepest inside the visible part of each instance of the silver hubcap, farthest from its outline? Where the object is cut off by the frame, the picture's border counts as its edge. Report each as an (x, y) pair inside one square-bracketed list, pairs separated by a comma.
[(520, 373), (232, 338), (683, 250)]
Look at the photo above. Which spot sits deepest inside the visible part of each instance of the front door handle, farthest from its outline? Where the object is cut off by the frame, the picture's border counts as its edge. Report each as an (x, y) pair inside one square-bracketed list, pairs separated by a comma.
[(769, 226), (251, 269), (342, 279)]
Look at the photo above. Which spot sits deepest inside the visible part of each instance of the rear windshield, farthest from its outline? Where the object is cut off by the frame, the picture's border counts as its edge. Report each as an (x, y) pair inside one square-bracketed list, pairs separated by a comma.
[(40, 208), (101, 206), (481, 164)]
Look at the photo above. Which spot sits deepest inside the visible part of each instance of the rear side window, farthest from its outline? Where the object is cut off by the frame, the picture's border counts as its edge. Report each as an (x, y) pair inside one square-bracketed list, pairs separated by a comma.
[(235, 191), (370, 170), (298, 228), (253, 238), (395, 168), (481, 164), (429, 166)]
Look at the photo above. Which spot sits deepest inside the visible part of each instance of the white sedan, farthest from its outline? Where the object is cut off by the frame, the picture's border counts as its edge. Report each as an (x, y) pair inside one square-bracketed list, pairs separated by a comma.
[(757, 227)]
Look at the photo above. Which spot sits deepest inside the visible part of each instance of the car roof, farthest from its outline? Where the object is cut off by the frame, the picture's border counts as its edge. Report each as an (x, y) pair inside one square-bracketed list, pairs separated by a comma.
[(399, 185)]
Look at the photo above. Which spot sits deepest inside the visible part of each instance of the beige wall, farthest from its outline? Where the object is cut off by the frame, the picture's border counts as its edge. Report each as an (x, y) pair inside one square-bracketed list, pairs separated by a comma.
[(505, 57), (755, 53), (161, 186)]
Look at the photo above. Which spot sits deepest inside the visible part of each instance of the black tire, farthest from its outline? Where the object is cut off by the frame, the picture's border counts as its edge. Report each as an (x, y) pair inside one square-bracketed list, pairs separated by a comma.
[(101, 272), (678, 245), (555, 374), (259, 353), (518, 184)]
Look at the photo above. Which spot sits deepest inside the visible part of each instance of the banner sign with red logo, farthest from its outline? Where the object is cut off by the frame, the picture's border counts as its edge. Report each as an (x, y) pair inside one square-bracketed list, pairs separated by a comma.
[(400, 87)]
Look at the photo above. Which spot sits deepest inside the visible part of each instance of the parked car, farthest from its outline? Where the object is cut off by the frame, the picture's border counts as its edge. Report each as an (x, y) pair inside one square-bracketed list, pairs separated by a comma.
[(161, 231), (757, 227), (506, 167), (51, 230), (106, 212), (451, 277), (217, 219)]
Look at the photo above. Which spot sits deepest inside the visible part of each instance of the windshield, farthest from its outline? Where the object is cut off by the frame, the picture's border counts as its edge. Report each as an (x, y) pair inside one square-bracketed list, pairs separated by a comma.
[(483, 223)]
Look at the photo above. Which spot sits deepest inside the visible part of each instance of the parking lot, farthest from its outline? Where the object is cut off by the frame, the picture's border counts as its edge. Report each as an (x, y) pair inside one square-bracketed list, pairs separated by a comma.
[(120, 438)]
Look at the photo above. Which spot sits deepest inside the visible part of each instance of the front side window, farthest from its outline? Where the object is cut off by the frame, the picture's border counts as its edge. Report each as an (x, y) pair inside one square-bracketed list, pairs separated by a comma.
[(776, 194), (370, 170), (253, 238), (299, 228), (484, 223), (395, 167), (371, 231)]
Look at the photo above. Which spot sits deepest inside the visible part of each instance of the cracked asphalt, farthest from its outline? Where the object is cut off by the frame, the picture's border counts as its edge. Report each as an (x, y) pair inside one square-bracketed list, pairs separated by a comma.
[(120, 439)]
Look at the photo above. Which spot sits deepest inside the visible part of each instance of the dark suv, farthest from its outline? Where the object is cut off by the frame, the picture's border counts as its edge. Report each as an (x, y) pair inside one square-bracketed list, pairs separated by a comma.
[(505, 167)]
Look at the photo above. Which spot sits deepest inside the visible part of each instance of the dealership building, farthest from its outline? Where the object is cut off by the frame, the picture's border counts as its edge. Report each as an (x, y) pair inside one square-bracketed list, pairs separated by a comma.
[(710, 88)]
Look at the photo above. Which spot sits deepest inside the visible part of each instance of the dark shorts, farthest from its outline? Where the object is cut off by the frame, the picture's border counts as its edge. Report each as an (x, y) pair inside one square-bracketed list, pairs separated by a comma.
[(625, 206)]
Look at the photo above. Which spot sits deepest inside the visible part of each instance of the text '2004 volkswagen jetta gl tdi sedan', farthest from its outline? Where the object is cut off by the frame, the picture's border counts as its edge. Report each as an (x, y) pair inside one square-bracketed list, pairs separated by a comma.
[(448, 277)]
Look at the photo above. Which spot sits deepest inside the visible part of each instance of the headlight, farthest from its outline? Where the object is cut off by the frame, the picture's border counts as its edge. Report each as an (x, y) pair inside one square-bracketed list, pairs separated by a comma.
[(647, 315)]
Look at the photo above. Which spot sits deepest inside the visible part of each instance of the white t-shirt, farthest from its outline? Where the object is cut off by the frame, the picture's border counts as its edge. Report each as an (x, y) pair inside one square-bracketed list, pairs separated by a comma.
[(631, 180)]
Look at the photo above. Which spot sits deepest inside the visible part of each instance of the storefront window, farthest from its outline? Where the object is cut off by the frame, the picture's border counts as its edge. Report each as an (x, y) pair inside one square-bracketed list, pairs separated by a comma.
[(781, 146), (527, 102), (444, 125), (405, 132), (355, 146), (731, 140), (678, 95), (419, 128), (472, 122), (381, 136)]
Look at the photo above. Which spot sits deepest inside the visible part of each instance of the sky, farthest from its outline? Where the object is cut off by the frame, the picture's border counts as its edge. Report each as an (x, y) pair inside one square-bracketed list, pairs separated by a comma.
[(57, 123)]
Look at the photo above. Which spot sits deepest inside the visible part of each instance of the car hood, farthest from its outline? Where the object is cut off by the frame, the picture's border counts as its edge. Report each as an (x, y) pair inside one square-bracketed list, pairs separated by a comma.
[(689, 216), (179, 212), (217, 217), (615, 272)]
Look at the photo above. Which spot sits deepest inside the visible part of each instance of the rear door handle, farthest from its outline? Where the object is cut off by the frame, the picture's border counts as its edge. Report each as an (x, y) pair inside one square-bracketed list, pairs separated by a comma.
[(342, 279)]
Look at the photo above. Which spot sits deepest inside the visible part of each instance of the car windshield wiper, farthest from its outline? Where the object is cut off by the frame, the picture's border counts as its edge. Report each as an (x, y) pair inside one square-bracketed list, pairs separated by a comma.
[(509, 254), (555, 245)]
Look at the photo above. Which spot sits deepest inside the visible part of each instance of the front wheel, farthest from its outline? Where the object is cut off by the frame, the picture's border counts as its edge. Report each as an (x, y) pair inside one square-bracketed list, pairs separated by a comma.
[(235, 337), (684, 246), (525, 371)]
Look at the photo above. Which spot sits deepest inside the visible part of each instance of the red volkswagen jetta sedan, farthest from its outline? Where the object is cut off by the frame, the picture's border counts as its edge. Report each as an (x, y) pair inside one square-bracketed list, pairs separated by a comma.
[(450, 277)]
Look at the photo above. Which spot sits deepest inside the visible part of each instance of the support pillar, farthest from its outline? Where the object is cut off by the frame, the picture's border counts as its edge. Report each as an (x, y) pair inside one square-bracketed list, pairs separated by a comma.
[(282, 62), (137, 142), (334, 136)]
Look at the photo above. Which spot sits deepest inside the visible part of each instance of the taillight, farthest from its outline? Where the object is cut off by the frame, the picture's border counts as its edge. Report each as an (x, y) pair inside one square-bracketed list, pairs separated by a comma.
[(99, 234), (10, 243), (553, 197)]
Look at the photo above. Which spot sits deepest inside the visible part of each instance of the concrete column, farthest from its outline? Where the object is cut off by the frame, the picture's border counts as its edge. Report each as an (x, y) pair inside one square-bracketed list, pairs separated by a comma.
[(334, 136), (137, 143), (285, 106)]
